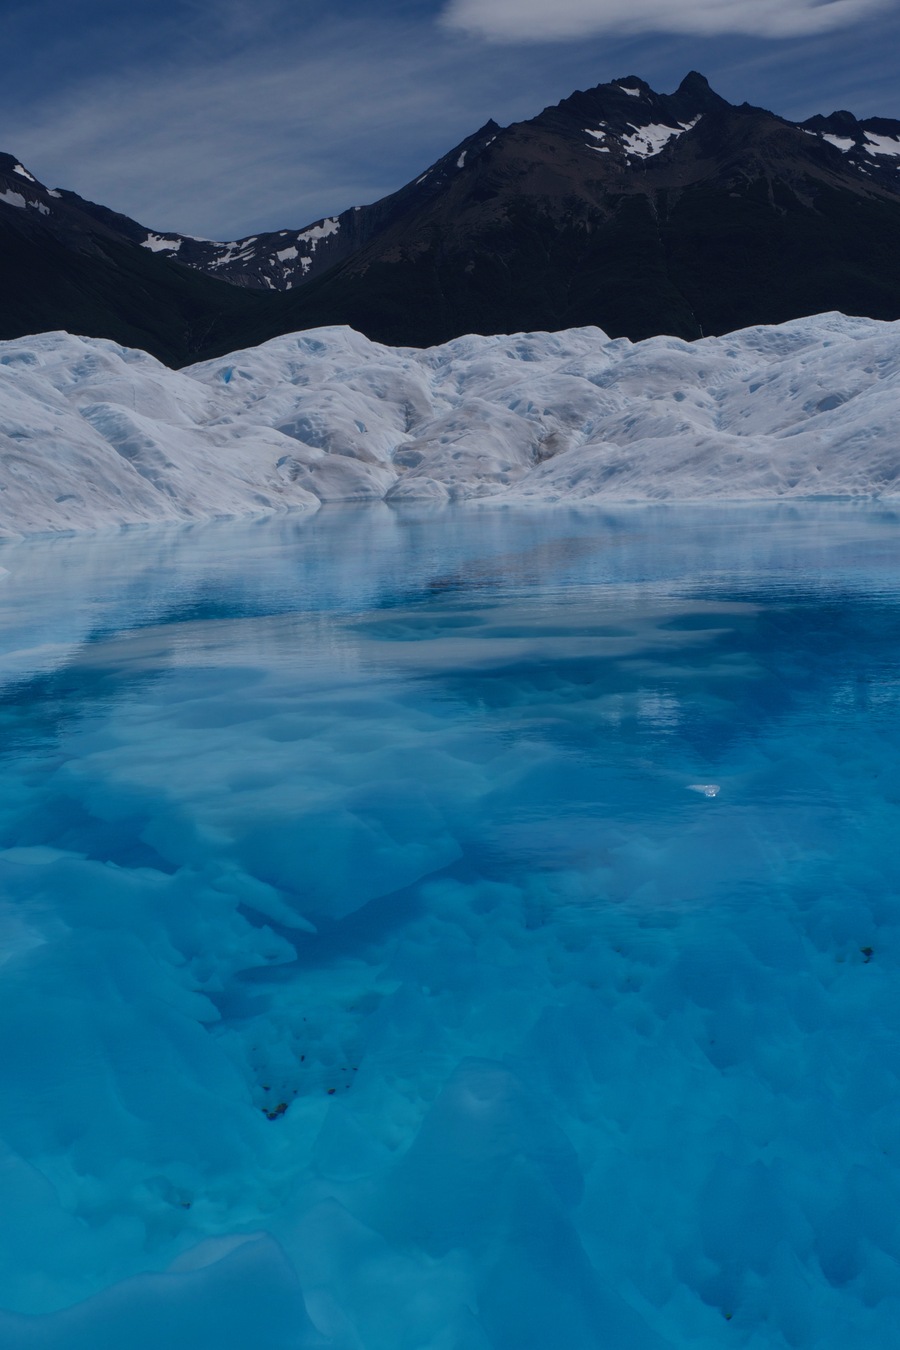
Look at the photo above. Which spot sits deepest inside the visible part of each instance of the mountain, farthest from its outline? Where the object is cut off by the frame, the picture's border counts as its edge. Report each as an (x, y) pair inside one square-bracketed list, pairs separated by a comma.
[(639, 212), (67, 264), (282, 260)]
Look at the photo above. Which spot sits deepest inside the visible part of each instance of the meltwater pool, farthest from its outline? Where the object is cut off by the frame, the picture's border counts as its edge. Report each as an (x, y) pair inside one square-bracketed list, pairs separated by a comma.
[(468, 929)]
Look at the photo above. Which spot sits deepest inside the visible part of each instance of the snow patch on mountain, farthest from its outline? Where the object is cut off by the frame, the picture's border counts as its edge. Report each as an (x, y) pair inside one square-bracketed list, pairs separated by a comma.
[(639, 142), (844, 143), (98, 435), (881, 145), (650, 140), (160, 243)]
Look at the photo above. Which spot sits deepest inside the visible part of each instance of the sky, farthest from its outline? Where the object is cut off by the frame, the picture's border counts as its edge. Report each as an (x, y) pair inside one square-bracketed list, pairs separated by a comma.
[(222, 118)]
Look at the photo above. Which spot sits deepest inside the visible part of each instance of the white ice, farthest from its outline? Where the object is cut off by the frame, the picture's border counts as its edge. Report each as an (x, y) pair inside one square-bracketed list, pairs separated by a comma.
[(96, 435)]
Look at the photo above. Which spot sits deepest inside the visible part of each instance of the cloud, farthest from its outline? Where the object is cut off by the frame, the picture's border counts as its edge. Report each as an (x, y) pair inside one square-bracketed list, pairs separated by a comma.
[(236, 137), (538, 20)]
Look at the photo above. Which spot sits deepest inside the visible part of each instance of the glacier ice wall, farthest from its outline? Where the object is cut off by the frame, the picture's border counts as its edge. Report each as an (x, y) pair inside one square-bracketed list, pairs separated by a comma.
[(95, 435)]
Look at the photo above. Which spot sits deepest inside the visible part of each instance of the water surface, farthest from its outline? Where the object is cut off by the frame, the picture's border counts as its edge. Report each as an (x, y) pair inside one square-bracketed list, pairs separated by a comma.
[(497, 908)]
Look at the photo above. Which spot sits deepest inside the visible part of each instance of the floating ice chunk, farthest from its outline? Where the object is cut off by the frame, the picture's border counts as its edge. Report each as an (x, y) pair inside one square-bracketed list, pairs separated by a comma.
[(705, 789)]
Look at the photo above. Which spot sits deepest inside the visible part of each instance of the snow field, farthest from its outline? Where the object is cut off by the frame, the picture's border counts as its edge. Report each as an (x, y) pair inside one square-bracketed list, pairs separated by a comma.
[(95, 435)]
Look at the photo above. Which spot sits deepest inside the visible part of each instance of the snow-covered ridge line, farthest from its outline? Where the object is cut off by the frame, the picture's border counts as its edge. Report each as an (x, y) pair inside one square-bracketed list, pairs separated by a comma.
[(95, 435)]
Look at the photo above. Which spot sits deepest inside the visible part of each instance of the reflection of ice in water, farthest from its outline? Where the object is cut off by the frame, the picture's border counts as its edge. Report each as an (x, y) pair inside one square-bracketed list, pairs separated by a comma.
[(659, 708), (342, 911)]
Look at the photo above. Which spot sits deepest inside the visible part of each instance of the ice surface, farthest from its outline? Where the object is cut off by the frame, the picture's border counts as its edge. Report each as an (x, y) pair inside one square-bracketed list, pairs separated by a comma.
[(372, 978), (95, 435)]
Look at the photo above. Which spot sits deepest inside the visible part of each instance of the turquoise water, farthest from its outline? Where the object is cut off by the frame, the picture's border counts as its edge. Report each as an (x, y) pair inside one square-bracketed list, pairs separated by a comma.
[(497, 911)]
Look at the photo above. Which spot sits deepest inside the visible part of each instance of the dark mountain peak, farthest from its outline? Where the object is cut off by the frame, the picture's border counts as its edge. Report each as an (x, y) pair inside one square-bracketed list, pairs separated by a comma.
[(629, 104), (840, 120), (692, 81), (696, 90), (627, 85)]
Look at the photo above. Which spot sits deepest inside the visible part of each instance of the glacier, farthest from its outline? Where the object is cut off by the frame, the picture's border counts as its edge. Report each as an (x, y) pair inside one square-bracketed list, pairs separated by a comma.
[(93, 435)]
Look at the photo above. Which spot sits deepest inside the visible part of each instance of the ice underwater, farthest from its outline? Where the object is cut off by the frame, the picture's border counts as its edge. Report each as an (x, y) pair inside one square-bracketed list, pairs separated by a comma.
[(470, 928)]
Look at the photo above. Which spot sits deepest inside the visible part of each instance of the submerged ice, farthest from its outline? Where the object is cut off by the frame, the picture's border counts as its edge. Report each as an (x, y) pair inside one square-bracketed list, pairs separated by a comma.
[(93, 434), (471, 929)]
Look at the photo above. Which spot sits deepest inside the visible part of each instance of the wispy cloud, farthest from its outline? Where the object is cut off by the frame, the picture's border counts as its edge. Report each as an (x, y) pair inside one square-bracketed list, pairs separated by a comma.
[(259, 136), (538, 21)]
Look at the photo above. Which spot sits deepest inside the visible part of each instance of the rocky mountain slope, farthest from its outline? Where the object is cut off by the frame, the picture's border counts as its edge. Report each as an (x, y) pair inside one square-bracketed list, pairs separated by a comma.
[(638, 212), (65, 264)]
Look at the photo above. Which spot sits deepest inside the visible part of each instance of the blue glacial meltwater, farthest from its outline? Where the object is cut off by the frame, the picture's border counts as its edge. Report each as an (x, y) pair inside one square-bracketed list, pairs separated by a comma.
[(469, 930)]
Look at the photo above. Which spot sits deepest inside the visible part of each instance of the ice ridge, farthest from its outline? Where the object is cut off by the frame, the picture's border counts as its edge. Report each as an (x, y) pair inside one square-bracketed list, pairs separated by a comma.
[(96, 435)]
